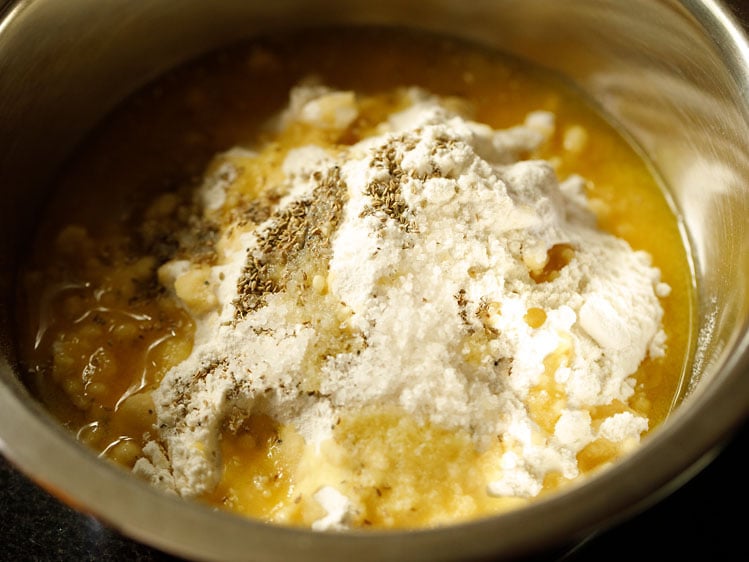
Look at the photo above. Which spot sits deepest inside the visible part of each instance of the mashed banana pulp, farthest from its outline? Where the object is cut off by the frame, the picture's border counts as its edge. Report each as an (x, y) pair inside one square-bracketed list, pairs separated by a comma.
[(129, 280)]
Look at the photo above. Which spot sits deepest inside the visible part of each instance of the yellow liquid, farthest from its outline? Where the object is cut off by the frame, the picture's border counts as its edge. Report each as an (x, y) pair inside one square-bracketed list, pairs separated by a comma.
[(99, 333)]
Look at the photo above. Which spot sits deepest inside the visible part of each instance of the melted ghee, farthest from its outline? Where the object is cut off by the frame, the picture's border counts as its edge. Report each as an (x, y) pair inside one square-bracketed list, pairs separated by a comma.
[(98, 333)]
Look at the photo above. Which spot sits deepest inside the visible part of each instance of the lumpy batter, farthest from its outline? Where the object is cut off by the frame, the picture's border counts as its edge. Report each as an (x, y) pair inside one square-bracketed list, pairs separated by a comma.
[(128, 288)]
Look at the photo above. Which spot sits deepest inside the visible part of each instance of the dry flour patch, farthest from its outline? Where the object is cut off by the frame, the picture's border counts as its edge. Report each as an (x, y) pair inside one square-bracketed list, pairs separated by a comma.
[(429, 266)]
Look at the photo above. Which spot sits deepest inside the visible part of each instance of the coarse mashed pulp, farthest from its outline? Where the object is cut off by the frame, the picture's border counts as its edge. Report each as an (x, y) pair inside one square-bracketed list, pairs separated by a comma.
[(400, 283)]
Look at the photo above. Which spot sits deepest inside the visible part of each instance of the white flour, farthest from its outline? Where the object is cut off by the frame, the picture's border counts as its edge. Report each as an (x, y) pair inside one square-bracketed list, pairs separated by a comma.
[(427, 239)]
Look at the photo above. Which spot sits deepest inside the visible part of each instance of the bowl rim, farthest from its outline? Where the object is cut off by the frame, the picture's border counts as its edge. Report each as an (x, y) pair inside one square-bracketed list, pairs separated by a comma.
[(29, 438)]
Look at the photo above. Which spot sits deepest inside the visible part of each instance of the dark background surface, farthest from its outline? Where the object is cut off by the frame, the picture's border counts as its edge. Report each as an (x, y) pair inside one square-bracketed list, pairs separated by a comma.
[(706, 519)]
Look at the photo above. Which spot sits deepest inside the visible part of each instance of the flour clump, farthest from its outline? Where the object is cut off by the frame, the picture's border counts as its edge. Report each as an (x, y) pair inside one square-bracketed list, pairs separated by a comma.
[(432, 268)]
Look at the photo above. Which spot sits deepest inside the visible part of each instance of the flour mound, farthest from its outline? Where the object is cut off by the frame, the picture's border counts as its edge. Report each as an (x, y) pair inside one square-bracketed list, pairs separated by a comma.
[(458, 280)]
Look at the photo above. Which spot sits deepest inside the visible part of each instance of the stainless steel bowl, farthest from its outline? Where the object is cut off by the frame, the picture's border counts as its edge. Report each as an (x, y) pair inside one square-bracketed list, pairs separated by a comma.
[(674, 74)]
